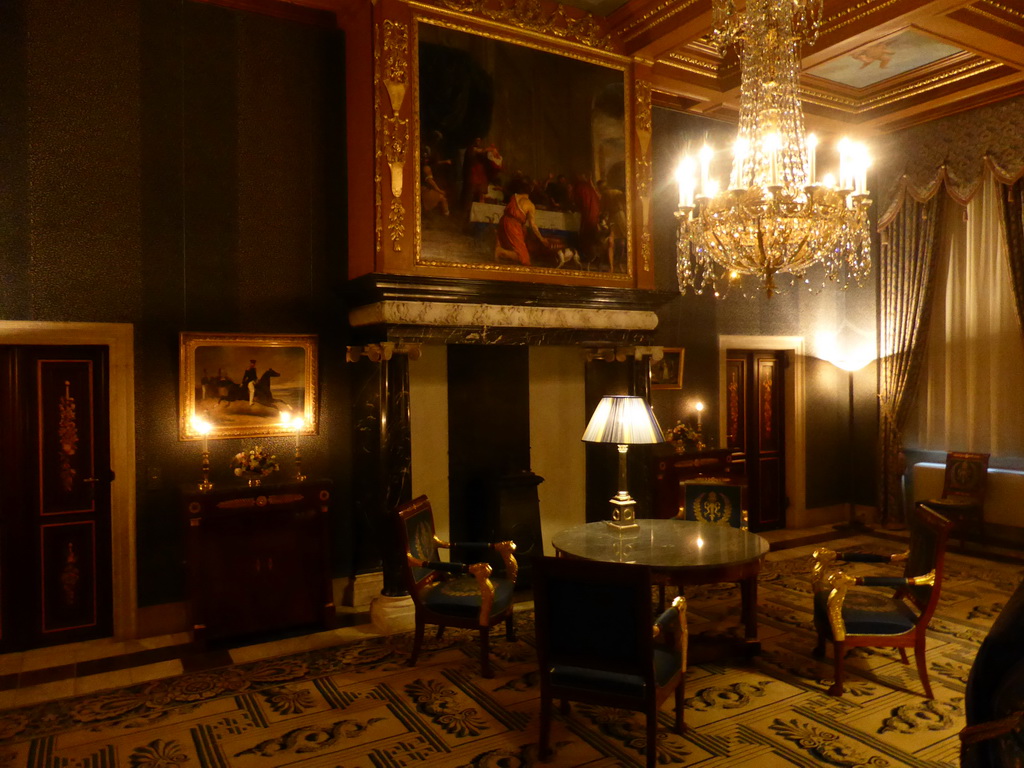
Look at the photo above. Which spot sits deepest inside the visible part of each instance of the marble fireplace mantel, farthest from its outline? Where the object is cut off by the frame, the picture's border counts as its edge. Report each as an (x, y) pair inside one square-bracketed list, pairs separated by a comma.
[(479, 312)]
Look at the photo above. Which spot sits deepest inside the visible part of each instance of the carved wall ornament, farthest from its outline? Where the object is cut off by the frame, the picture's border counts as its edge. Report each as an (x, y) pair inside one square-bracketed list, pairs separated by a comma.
[(530, 15), (70, 576), (385, 350), (67, 434), (646, 250), (643, 115), (396, 142), (396, 223), (396, 62), (766, 407)]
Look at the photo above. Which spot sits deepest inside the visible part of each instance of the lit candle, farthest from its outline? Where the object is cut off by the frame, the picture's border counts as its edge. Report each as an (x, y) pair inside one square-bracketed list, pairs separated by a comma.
[(699, 406), (684, 178), (705, 169), (844, 164), (812, 161), (298, 424)]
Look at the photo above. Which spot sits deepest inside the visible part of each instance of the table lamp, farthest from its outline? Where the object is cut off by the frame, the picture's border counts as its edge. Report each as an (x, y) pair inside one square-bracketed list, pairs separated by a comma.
[(624, 420)]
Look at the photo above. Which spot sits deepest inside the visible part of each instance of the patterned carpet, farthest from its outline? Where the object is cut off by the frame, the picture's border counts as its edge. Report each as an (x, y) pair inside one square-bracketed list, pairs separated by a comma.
[(359, 706)]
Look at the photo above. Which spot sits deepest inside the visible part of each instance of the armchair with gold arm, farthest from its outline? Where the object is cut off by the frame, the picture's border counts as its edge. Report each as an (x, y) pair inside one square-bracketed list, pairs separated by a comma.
[(451, 594), (853, 618)]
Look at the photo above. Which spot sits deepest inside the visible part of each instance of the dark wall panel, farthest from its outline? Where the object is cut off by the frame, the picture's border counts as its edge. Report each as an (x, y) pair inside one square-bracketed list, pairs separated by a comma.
[(177, 165)]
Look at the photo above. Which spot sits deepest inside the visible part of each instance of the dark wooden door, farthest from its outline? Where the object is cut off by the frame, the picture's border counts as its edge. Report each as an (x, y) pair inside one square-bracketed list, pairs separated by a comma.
[(55, 557), (755, 431)]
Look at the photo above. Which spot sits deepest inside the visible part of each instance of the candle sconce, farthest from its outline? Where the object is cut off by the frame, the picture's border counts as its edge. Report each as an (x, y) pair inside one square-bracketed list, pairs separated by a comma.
[(203, 427), (297, 424)]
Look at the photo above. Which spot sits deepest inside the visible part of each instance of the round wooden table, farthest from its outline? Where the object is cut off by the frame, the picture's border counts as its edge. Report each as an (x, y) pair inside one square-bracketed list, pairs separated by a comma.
[(684, 552)]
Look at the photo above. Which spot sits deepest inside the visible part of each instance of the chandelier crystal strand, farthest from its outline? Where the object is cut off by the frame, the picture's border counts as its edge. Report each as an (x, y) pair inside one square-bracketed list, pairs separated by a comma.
[(775, 217)]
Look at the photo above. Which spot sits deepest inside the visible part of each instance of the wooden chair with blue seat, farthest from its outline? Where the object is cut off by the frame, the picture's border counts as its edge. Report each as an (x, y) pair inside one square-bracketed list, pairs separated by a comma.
[(719, 500), (598, 642), (452, 594), (715, 500), (899, 619), (964, 484)]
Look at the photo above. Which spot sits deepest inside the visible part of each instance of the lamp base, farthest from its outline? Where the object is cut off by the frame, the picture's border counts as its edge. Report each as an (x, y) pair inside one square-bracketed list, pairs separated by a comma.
[(623, 517)]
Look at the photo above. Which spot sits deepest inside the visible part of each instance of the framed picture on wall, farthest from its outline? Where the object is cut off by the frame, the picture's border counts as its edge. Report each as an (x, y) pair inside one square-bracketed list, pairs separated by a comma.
[(667, 373), (246, 385), (523, 157)]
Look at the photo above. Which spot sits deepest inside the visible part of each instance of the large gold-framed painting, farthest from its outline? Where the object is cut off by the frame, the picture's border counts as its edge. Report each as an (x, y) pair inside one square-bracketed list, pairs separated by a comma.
[(245, 385), (523, 157)]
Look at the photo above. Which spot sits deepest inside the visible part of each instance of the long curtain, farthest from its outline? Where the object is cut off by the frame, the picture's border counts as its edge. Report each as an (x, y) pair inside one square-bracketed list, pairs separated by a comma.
[(973, 374), (1012, 197), (906, 287)]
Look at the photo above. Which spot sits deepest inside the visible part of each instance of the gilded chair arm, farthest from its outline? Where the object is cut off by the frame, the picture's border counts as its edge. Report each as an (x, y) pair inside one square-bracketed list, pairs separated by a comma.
[(898, 582), (835, 584), (437, 565), (824, 560), (867, 557), (506, 550), (482, 573), (503, 548), (672, 622)]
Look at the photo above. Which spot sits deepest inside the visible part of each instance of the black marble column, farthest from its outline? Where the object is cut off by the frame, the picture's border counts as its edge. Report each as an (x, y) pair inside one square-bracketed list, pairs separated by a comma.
[(382, 462)]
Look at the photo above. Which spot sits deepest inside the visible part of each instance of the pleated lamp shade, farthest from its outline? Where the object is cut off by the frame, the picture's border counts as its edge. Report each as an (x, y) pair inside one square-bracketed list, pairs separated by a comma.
[(623, 420)]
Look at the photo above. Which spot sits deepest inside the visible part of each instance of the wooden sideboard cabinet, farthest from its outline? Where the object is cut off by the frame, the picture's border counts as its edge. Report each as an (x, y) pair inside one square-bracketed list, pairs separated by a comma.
[(258, 559), (671, 468)]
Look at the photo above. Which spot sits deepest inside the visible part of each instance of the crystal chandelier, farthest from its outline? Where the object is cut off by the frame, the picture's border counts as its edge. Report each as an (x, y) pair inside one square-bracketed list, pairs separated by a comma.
[(774, 217)]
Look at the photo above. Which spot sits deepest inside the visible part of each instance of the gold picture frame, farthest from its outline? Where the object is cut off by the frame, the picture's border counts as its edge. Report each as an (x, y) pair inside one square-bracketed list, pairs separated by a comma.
[(667, 373), (502, 185), (214, 386)]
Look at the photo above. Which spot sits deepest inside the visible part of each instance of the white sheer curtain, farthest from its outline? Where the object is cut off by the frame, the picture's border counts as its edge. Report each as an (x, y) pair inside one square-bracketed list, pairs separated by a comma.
[(972, 388)]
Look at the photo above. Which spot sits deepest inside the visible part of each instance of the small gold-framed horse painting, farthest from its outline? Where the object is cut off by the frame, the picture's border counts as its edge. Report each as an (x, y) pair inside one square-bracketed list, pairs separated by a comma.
[(241, 385)]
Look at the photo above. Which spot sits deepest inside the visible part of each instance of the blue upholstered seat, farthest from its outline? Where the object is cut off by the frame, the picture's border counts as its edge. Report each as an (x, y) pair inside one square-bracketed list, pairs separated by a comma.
[(460, 596)]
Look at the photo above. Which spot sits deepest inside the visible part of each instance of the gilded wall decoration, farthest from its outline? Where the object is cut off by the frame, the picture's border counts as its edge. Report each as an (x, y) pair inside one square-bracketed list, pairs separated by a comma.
[(396, 223), (396, 142), (529, 15), (396, 62), (70, 576), (766, 407)]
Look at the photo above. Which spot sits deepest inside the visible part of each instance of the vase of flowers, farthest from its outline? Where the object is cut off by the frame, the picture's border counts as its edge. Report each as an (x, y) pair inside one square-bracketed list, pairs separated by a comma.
[(682, 435), (254, 465)]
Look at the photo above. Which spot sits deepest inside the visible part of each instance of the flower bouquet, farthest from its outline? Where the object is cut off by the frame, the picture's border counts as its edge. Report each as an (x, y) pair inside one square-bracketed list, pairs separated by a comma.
[(254, 464), (682, 434)]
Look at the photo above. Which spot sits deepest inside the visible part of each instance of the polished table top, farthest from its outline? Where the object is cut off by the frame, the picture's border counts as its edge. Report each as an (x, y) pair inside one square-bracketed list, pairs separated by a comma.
[(677, 545)]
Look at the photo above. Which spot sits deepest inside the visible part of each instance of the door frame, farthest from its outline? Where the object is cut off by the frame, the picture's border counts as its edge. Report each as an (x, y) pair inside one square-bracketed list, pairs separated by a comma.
[(796, 417), (119, 339)]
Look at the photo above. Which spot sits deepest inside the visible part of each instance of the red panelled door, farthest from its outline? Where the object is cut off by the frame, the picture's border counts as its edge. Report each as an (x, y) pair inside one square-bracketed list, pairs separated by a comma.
[(55, 559), (755, 421)]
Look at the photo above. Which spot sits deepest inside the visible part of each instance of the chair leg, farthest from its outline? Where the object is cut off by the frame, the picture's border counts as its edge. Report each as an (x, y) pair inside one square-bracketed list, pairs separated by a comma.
[(652, 737), (922, 664), (680, 724), (485, 662), (839, 651), (510, 628), (903, 655), (440, 631), (417, 643), (545, 728)]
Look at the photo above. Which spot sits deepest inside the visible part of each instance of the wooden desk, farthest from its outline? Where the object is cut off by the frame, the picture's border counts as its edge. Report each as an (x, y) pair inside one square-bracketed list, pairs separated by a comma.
[(687, 553)]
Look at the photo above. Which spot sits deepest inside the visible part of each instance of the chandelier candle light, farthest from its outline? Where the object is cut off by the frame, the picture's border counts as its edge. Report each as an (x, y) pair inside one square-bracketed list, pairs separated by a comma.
[(776, 216)]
